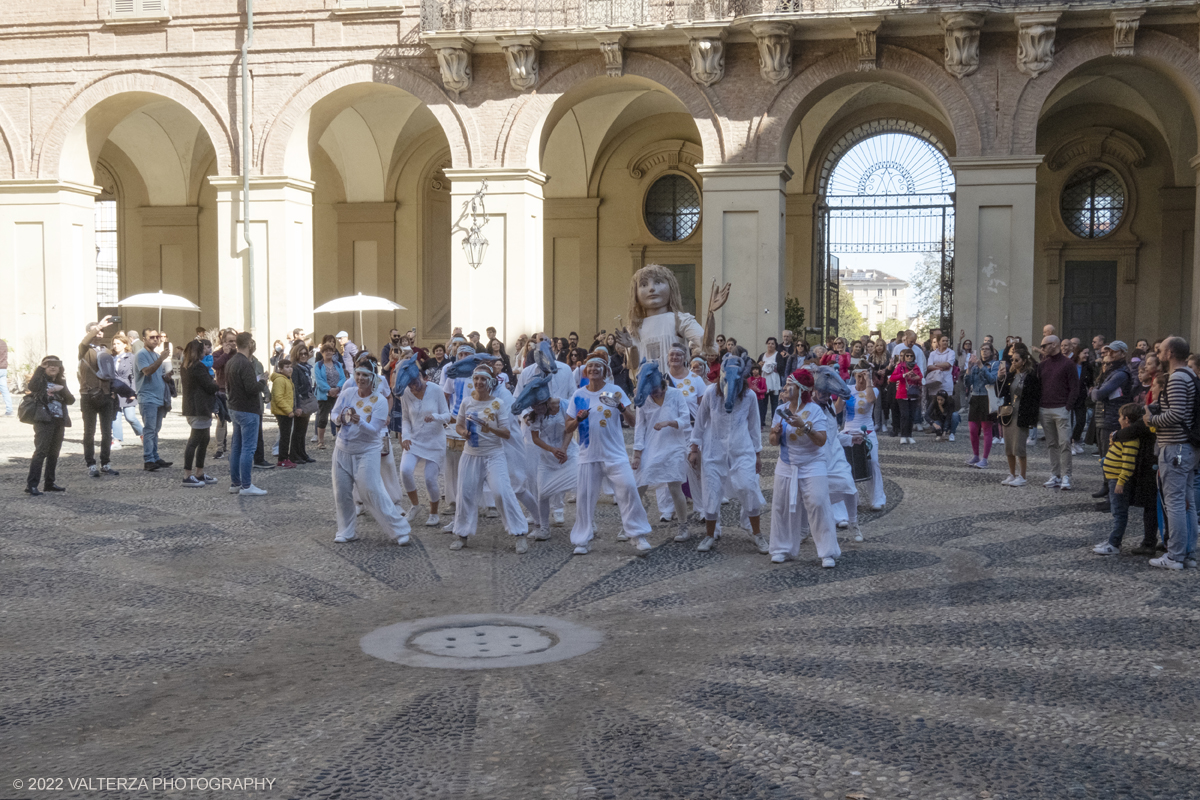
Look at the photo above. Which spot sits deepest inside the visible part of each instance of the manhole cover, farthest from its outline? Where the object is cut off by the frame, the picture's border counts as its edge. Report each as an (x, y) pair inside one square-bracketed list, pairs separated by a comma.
[(480, 641)]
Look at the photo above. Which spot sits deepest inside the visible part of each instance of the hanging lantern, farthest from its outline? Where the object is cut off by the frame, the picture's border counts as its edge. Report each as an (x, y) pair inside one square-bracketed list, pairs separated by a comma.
[(475, 243)]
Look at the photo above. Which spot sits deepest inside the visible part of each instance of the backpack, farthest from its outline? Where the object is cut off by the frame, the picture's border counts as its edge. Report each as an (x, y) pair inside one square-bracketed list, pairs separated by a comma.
[(1193, 429)]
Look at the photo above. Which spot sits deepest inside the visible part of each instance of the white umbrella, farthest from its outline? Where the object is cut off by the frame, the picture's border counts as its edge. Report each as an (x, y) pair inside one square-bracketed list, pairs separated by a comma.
[(160, 301), (359, 302)]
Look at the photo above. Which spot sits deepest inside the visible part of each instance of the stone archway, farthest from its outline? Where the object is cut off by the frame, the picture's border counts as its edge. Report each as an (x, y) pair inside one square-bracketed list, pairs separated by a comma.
[(773, 131), (14, 164), (54, 145)]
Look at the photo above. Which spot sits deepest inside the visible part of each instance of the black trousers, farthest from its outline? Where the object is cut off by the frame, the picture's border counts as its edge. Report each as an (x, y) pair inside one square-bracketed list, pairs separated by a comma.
[(908, 412), (95, 407), (197, 446), (47, 443), (285, 436), (259, 450), (299, 446)]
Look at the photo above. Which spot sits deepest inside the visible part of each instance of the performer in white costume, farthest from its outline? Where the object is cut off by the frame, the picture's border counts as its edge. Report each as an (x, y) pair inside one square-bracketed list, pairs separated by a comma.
[(691, 386), (660, 438), (387, 459), (362, 417), (557, 453), (484, 424), (562, 386), (455, 390), (514, 453), (828, 393), (595, 409), (425, 415), (657, 319), (725, 445), (860, 410), (800, 502)]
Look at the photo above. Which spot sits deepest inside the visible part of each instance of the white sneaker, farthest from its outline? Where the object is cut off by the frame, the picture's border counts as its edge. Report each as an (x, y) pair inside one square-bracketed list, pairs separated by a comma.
[(622, 537), (558, 518), (1165, 562), (642, 544), (342, 538), (412, 514), (252, 491), (903, 440), (920, 426), (877, 508), (996, 440), (459, 543), (540, 535), (707, 544), (1066, 484), (314, 438), (581, 550), (361, 509), (1018, 481), (115, 445), (1105, 549), (779, 558), (858, 537), (491, 513), (403, 540), (94, 471), (522, 545), (828, 563), (449, 528), (952, 437), (1053, 483), (1008, 481), (841, 526), (683, 535), (235, 489), (666, 517), (764, 545), (433, 521), (911, 440)]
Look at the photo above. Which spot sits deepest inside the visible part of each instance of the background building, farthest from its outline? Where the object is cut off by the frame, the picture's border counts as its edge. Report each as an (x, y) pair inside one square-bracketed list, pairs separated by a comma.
[(698, 135), (877, 295)]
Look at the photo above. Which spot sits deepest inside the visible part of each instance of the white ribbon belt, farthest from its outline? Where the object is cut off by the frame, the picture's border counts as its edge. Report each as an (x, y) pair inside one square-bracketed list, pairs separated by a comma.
[(789, 472)]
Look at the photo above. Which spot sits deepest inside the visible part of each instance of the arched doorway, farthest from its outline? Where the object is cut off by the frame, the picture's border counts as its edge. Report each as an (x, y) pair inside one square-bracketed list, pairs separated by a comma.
[(886, 189)]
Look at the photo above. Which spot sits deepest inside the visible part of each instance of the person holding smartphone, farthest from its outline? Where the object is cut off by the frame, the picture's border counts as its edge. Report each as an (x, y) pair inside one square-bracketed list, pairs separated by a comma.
[(153, 397), (52, 397)]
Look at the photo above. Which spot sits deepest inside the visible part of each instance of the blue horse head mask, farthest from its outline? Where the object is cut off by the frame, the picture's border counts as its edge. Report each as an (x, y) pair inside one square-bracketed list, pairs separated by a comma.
[(649, 380), (536, 391), (827, 381), (464, 367), (544, 358), (734, 371), (404, 374)]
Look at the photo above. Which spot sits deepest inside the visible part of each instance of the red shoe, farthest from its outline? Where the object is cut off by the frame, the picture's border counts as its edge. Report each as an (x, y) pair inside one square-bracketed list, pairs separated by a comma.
[(286, 464)]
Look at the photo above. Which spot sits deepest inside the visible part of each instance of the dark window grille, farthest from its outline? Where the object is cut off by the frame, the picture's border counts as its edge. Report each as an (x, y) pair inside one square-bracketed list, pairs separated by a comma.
[(1093, 202), (672, 208)]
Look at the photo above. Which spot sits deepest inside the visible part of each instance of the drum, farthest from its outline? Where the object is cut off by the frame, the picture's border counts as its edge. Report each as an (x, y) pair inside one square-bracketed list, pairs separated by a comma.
[(860, 461)]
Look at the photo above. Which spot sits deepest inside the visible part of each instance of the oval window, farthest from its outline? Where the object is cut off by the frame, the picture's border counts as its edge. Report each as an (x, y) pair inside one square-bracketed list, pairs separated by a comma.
[(672, 209), (1093, 202)]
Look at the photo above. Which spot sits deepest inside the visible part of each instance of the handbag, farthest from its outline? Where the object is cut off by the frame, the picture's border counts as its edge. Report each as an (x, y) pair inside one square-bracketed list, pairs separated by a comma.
[(308, 406), (27, 411), (993, 400)]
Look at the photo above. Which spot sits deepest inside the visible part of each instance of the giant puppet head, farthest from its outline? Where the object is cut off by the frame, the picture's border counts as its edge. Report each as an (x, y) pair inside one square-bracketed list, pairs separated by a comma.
[(649, 381), (735, 370), (465, 366), (543, 356), (537, 391)]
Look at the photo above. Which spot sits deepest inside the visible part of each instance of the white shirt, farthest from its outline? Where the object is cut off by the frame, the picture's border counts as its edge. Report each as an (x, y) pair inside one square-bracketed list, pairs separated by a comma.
[(864, 405), (654, 338), (664, 452), (692, 387), (366, 435), (491, 411), (562, 382), (550, 430), (939, 378), (720, 434), (427, 439), (796, 448), (455, 390), (603, 441)]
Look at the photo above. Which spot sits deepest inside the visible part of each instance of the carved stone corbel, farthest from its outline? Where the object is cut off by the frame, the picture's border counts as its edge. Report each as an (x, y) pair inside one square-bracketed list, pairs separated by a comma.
[(1125, 25), (1035, 42), (454, 62), (707, 46), (612, 47), (962, 43), (521, 54), (865, 29), (774, 50)]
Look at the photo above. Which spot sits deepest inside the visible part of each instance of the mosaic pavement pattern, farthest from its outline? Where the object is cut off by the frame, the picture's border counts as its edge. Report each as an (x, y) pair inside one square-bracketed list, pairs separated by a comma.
[(971, 648)]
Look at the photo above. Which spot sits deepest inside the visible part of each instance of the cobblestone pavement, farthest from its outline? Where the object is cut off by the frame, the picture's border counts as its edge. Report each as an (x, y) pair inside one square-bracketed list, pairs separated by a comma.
[(971, 647)]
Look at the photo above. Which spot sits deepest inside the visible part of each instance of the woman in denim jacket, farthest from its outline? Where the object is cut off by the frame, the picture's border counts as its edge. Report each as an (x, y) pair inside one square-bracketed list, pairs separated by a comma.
[(327, 393), (981, 373)]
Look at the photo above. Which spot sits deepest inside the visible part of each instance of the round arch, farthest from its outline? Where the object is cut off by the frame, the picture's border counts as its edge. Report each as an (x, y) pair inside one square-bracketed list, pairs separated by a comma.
[(843, 144), (55, 143), (273, 149), (517, 139), (772, 132), (1155, 50), (14, 165)]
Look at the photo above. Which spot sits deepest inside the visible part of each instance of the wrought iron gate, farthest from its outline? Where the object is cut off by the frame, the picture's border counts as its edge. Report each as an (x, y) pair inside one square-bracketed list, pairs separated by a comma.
[(887, 192)]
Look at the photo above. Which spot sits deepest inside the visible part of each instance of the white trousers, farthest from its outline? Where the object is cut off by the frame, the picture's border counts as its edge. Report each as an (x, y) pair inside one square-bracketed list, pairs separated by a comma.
[(473, 472), (620, 475), (452, 458), (743, 484), (797, 505), (674, 500), (408, 470), (875, 485), (845, 508), (359, 474)]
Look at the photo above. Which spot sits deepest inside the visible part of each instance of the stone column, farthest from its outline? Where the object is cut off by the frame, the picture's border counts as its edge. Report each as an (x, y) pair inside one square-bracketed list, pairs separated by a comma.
[(994, 247), (743, 226), (48, 270), (281, 227), (507, 290)]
